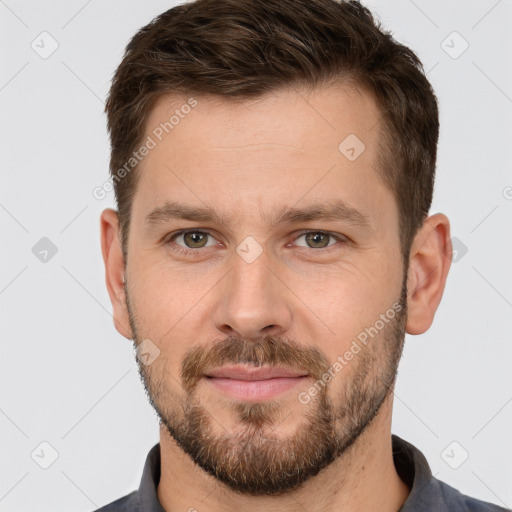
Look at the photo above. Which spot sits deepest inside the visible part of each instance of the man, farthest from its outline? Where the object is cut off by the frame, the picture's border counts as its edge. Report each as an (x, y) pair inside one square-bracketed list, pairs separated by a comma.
[(273, 164)]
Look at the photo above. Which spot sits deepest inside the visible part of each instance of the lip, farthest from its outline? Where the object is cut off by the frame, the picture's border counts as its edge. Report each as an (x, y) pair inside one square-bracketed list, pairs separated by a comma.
[(252, 373), (254, 384)]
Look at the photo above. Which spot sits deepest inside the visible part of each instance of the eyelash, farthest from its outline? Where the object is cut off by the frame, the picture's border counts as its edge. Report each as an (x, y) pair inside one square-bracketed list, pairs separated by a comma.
[(196, 252)]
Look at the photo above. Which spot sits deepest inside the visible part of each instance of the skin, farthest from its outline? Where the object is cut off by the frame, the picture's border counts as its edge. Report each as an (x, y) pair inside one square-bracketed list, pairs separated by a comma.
[(244, 160)]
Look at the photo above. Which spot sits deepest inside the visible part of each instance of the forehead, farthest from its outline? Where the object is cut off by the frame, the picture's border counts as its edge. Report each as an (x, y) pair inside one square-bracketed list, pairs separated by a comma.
[(249, 155), (304, 119)]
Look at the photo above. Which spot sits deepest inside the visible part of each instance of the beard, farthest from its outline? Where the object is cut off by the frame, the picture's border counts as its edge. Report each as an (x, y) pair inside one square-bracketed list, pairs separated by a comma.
[(254, 460)]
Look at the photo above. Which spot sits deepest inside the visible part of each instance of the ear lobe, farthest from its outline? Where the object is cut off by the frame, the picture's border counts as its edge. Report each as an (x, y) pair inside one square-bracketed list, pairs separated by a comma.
[(114, 270), (429, 263)]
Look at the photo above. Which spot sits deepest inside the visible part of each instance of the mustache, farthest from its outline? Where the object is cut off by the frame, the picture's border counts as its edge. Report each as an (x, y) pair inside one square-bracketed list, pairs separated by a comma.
[(270, 351)]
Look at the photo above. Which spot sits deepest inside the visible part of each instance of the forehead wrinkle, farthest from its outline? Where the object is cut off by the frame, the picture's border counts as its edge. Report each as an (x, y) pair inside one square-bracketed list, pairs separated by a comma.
[(258, 145)]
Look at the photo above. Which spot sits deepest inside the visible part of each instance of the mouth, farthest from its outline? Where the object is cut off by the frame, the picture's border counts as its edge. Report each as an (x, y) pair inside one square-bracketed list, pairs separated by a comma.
[(251, 383)]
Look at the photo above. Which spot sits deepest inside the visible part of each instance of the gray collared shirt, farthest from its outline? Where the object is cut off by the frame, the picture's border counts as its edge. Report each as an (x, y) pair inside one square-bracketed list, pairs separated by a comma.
[(428, 494)]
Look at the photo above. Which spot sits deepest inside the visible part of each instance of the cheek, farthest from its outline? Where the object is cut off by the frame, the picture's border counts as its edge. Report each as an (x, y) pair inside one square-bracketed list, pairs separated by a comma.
[(165, 303), (343, 305), (166, 292), (174, 306)]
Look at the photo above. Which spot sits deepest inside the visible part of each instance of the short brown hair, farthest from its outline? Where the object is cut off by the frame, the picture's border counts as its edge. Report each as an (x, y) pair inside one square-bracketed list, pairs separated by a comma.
[(238, 49)]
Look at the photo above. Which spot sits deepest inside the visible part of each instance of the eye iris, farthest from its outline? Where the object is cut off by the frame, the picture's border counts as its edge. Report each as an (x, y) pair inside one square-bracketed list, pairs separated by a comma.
[(197, 238), (316, 238)]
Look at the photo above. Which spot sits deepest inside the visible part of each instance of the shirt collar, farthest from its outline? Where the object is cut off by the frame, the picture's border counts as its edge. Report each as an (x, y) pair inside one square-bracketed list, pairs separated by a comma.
[(147, 495), (410, 463)]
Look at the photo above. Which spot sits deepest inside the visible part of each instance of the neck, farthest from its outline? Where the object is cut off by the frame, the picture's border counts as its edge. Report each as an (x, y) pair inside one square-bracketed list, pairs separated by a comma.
[(363, 478)]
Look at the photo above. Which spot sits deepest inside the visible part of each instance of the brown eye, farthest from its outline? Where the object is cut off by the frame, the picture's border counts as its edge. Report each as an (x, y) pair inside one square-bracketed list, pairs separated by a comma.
[(317, 239), (195, 239), (192, 239)]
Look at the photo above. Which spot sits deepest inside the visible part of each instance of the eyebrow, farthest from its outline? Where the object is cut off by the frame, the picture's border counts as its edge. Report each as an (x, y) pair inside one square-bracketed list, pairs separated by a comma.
[(330, 210)]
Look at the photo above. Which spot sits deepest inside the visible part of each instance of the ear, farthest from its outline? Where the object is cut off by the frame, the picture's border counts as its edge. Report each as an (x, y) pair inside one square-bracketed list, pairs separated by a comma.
[(429, 263), (114, 270)]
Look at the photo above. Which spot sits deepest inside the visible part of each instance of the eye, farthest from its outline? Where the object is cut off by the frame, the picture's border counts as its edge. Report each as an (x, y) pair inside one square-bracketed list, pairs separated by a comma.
[(192, 239), (189, 241), (319, 239)]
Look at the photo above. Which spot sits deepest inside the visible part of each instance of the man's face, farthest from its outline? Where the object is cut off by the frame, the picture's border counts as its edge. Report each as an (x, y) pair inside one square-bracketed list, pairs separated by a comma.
[(320, 301)]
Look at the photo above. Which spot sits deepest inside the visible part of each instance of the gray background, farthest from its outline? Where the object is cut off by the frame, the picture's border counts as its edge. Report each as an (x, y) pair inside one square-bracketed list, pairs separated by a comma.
[(70, 380)]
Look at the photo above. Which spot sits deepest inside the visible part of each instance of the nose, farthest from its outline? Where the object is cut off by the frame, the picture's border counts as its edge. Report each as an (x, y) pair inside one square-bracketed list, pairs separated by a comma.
[(253, 302)]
